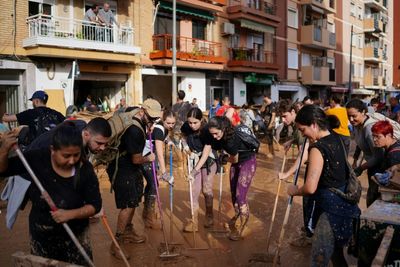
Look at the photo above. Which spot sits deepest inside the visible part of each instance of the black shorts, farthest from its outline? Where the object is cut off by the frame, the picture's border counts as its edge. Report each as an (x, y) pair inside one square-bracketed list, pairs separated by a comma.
[(128, 189)]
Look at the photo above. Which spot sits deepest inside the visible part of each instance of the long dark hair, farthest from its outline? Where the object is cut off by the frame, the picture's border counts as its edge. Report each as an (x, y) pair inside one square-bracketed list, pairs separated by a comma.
[(197, 114), (357, 104), (224, 124), (65, 135), (310, 114)]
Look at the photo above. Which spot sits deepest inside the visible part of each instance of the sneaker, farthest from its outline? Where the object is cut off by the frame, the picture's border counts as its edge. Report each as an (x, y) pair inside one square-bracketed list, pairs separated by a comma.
[(301, 241), (131, 236)]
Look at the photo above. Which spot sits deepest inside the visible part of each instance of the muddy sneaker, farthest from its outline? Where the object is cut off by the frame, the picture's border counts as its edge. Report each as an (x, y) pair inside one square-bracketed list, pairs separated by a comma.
[(235, 235), (131, 236), (301, 241), (189, 227)]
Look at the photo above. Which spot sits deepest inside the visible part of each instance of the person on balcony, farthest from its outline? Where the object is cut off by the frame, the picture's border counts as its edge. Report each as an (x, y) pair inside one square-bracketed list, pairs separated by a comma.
[(90, 23), (107, 18)]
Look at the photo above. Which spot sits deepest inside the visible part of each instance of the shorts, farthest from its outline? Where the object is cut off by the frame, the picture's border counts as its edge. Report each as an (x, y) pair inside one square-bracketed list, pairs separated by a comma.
[(128, 189)]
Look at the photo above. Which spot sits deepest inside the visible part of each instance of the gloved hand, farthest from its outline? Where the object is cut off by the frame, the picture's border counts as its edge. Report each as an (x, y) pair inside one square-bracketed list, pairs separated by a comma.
[(383, 178), (223, 159), (358, 171), (169, 179)]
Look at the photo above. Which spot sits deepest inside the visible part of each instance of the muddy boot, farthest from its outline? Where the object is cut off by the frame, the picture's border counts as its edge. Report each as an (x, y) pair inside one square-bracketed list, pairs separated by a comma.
[(114, 250), (271, 152), (190, 225), (131, 236), (209, 220), (149, 213), (237, 233), (232, 221)]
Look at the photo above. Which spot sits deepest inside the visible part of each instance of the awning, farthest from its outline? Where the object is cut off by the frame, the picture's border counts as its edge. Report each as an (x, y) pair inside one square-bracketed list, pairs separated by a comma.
[(263, 79), (256, 26), (288, 88), (362, 92), (337, 89), (187, 10)]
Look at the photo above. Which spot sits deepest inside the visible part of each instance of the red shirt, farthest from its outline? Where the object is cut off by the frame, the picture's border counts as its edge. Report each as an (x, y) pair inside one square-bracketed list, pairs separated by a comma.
[(222, 111)]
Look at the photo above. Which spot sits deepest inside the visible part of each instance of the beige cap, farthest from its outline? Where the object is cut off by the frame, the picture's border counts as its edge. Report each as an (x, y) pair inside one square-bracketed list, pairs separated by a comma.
[(152, 107)]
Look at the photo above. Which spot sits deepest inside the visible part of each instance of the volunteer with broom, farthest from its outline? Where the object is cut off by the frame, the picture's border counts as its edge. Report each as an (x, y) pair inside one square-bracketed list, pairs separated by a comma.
[(159, 135), (327, 168), (197, 145), (242, 170), (70, 182)]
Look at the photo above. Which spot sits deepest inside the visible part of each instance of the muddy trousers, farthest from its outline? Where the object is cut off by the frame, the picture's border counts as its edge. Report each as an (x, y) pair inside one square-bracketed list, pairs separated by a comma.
[(373, 188), (241, 175), (150, 189), (323, 246), (203, 182)]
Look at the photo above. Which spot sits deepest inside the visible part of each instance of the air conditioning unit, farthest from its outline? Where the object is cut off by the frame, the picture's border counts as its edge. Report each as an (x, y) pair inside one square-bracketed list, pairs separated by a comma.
[(228, 28)]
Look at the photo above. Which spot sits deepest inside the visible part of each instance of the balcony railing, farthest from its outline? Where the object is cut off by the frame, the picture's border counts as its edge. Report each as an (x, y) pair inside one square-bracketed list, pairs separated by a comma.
[(247, 57), (58, 31), (267, 7), (187, 49), (221, 2)]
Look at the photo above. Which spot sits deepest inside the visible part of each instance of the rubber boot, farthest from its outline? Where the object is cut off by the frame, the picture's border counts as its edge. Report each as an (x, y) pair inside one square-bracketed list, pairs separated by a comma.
[(149, 213), (236, 235), (114, 250), (192, 225), (209, 220), (131, 236), (271, 152)]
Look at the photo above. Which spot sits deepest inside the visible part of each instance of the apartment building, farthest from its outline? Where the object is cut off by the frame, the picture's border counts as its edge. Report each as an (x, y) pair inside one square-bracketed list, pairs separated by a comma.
[(40, 40), (200, 55), (367, 27), (396, 45)]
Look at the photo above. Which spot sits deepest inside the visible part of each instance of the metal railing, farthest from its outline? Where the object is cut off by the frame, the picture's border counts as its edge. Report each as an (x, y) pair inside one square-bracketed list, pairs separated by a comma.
[(268, 7), (195, 47), (41, 25), (252, 55)]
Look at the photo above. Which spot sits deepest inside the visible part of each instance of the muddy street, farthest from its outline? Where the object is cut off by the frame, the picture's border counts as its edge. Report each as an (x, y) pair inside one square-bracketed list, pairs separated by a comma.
[(213, 248)]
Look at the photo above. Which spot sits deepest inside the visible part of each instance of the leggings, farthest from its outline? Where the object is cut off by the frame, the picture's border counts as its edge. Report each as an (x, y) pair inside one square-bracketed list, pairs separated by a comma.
[(204, 182), (241, 175), (323, 246)]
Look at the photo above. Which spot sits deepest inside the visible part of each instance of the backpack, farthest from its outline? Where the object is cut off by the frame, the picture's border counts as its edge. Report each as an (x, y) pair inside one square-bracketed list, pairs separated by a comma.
[(380, 117), (247, 137), (47, 120)]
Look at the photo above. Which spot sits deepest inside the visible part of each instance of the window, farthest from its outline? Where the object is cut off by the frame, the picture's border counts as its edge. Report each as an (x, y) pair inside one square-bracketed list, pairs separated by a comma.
[(360, 13), (352, 69), (199, 29), (331, 62), (359, 41), (305, 59), (331, 27), (360, 70), (40, 7), (163, 24), (352, 9), (292, 18), (293, 60)]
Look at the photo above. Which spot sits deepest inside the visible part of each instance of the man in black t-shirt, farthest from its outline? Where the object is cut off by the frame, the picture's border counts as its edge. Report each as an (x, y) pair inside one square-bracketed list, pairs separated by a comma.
[(40, 119), (128, 183)]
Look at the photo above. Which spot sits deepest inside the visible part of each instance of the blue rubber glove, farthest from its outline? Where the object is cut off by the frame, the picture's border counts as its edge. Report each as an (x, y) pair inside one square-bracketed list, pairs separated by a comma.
[(383, 178)]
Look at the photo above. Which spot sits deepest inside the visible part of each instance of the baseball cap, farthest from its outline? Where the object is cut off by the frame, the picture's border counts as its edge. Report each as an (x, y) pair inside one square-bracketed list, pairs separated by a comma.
[(152, 107), (39, 95)]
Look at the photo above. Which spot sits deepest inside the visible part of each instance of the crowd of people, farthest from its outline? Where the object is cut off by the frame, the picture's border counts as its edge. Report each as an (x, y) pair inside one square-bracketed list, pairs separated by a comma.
[(61, 151)]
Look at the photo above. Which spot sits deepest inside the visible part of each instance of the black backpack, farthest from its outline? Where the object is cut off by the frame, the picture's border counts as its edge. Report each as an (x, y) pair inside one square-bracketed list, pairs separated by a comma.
[(47, 120), (247, 137)]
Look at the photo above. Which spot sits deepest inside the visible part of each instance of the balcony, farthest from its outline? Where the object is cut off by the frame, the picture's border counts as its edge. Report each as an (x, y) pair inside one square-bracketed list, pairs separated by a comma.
[(260, 11), (187, 49), (373, 80), (372, 54), (50, 31), (210, 5), (376, 4), (318, 73), (329, 6), (373, 23), (242, 58), (317, 37)]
